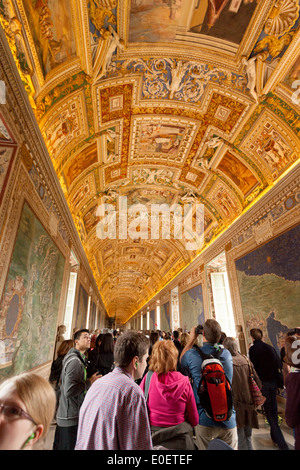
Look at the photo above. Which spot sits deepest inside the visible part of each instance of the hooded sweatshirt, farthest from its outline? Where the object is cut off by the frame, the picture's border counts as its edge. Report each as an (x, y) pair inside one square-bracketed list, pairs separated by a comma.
[(171, 400), (73, 388)]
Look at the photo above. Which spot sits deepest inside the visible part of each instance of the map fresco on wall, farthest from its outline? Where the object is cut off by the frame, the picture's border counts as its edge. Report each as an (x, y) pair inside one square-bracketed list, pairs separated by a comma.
[(82, 306), (271, 275), (30, 300), (192, 308), (165, 321)]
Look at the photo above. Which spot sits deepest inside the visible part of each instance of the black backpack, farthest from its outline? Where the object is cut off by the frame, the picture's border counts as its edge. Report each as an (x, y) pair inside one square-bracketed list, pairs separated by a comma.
[(214, 390)]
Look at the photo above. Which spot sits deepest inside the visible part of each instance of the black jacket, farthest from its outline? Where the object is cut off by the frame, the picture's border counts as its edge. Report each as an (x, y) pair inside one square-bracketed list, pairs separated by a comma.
[(101, 363), (265, 360)]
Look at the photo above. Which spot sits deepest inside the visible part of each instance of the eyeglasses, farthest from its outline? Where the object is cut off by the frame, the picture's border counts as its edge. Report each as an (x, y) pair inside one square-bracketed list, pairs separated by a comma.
[(11, 412)]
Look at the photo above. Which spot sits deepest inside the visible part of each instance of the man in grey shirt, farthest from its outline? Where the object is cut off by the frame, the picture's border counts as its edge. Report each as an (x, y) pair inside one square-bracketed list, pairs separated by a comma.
[(74, 385)]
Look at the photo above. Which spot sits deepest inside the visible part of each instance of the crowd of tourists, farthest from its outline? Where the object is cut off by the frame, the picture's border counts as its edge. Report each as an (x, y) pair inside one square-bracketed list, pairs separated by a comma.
[(145, 390)]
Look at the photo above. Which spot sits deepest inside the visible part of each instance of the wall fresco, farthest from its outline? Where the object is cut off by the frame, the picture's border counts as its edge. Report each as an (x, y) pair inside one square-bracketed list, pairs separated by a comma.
[(192, 310), (30, 300), (271, 275)]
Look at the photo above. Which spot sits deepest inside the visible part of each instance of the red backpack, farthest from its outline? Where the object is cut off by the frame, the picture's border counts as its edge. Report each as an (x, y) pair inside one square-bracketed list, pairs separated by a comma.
[(214, 390)]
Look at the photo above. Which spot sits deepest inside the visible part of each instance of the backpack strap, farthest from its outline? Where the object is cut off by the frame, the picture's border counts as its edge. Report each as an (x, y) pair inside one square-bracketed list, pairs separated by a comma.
[(216, 354), (147, 383)]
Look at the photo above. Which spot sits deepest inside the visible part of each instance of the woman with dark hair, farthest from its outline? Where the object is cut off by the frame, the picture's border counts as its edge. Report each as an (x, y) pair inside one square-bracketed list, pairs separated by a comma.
[(101, 359), (56, 365), (154, 336), (98, 341)]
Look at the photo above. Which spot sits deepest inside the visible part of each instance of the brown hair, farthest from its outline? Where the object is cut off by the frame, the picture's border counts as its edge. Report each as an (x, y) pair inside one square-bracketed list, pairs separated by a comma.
[(129, 345), (164, 357), (292, 344), (212, 331), (65, 347), (184, 338), (231, 344), (256, 333)]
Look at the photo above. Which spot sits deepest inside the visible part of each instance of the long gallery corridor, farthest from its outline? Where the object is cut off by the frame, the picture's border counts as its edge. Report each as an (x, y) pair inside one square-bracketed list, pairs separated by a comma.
[(149, 182)]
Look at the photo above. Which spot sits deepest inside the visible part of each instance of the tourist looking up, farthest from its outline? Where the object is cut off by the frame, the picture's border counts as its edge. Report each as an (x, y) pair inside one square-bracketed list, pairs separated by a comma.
[(74, 385), (208, 429)]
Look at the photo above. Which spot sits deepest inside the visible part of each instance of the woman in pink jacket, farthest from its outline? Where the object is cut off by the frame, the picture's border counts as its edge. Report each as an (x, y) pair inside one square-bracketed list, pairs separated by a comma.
[(171, 403)]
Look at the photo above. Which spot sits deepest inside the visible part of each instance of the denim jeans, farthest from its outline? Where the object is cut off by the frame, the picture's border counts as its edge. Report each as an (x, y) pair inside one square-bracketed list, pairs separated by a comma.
[(269, 390)]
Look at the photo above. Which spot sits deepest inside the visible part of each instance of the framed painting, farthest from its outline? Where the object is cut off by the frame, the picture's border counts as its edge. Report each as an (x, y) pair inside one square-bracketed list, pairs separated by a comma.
[(30, 300), (271, 274), (222, 19), (52, 31), (238, 173), (153, 21), (192, 309)]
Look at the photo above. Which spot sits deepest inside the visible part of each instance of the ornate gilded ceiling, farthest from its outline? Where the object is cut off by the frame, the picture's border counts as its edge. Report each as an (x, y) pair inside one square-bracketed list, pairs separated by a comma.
[(162, 101)]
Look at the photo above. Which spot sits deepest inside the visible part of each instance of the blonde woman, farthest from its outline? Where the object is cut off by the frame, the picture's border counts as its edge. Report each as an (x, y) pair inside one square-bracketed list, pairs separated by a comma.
[(184, 338), (27, 406), (171, 403)]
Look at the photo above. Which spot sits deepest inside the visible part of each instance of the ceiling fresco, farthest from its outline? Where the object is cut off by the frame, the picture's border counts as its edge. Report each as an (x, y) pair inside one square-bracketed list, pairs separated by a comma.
[(161, 102)]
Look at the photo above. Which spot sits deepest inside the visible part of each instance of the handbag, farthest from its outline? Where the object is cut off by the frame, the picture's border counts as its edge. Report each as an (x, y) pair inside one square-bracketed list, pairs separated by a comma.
[(257, 396)]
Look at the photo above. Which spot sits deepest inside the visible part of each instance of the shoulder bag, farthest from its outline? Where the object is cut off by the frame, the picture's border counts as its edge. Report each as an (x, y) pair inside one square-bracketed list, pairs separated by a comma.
[(257, 396)]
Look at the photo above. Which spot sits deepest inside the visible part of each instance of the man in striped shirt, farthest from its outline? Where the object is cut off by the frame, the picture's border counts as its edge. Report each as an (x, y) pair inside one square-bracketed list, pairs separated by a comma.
[(114, 413)]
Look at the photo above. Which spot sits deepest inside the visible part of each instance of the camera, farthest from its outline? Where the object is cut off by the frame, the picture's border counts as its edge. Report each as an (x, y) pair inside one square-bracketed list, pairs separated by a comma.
[(199, 330)]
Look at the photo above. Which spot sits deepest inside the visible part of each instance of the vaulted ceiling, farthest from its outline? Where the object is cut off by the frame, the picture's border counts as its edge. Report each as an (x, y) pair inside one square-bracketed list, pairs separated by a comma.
[(164, 102)]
